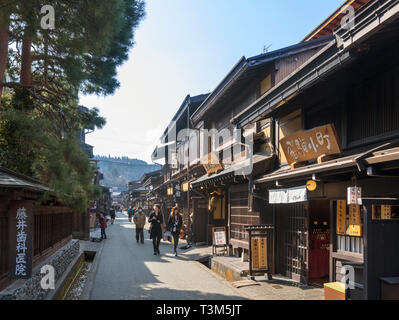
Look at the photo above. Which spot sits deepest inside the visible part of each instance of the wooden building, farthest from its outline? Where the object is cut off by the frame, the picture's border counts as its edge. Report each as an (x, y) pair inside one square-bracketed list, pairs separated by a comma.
[(226, 190), (335, 124), (48, 225)]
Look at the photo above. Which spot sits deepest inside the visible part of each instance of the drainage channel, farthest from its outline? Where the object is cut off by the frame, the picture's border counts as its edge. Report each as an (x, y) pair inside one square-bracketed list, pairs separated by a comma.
[(206, 261), (73, 287)]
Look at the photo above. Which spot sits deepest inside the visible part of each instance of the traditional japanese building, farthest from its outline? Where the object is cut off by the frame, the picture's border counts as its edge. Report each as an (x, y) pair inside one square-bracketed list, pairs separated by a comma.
[(225, 186), (334, 197)]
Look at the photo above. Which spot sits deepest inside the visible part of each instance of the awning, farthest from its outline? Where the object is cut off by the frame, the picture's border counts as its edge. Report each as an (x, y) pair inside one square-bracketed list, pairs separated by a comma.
[(238, 169), (344, 164)]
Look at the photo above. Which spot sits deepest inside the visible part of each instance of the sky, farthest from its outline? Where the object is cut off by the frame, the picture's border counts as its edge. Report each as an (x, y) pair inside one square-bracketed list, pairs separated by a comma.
[(187, 47)]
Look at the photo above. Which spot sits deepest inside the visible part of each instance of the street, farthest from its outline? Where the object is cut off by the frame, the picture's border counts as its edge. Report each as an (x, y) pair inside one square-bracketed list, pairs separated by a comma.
[(128, 270)]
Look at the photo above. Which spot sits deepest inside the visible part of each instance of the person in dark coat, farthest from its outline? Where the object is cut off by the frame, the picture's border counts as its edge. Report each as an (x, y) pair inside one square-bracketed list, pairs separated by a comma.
[(156, 221), (112, 214), (175, 223)]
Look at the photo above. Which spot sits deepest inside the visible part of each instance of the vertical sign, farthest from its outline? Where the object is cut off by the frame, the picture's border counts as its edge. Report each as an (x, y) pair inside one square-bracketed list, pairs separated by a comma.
[(255, 254), (385, 212), (259, 253), (21, 238), (355, 221), (341, 217)]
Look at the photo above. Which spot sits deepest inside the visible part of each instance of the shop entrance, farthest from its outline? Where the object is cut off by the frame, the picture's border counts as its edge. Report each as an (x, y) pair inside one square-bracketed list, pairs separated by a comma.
[(292, 240), (319, 242)]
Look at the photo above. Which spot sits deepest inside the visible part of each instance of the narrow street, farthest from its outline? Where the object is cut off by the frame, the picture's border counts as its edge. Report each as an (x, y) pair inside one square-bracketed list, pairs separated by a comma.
[(128, 270)]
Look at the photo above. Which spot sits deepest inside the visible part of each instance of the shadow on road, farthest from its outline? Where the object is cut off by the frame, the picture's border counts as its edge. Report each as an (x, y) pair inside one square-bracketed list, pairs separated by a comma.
[(128, 270)]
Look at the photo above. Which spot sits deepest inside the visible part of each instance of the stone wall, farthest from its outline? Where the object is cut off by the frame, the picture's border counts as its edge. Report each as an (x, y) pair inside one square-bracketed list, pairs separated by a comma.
[(31, 289)]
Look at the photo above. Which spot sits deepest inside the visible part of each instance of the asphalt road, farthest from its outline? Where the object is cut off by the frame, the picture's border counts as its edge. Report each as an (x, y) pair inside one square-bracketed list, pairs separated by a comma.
[(129, 271)]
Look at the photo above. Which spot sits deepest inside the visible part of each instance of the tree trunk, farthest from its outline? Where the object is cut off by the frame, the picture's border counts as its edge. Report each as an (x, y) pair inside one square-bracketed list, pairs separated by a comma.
[(4, 38), (26, 61)]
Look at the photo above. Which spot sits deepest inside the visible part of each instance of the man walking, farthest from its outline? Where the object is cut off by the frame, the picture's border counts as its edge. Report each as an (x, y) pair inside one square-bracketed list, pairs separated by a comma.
[(139, 219), (112, 214)]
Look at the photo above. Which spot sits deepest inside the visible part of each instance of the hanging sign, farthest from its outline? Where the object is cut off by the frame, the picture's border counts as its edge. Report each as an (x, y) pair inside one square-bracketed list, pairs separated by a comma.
[(21, 239), (355, 195), (307, 145), (341, 217), (355, 221), (291, 195), (211, 163)]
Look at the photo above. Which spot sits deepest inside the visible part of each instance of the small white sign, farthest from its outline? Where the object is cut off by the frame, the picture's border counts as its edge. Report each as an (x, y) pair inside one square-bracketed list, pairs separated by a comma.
[(355, 195), (220, 237)]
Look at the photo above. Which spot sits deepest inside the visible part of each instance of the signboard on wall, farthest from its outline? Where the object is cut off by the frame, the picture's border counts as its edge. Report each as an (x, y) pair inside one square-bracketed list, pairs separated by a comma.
[(341, 217), (355, 221), (20, 224), (310, 144), (291, 195)]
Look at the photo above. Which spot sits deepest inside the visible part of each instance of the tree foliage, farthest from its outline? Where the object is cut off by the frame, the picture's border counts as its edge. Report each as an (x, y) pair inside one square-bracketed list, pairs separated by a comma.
[(43, 72)]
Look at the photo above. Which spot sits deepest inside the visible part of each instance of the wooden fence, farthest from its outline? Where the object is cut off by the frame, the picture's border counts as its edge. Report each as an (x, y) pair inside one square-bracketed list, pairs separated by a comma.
[(52, 226)]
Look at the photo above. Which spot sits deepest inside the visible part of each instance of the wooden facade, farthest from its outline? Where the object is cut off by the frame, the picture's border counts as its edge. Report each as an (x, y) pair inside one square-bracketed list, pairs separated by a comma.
[(360, 99), (52, 228)]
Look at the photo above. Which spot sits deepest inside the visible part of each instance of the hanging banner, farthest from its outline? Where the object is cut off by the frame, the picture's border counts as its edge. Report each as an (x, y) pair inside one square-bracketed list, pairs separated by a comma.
[(291, 195), (355, 221), (341, 217)]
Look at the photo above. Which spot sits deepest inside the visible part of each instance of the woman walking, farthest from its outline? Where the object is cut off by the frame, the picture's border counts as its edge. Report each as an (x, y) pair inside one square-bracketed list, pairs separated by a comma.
[(156, 221), (174, 225)]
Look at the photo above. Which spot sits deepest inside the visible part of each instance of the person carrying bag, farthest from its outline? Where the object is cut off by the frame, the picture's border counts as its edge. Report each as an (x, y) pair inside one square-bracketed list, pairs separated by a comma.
[(156, 220), (175, 223)]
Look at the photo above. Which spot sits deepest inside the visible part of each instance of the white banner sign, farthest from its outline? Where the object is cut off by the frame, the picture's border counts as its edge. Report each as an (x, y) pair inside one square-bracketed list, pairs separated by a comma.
[(291, 195)]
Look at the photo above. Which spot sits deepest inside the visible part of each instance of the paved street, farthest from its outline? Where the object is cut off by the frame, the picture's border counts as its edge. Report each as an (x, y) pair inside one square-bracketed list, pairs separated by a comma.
[(128, 270)]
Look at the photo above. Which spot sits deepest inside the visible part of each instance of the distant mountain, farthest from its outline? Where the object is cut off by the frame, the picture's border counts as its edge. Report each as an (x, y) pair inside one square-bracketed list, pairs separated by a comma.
[(119, 171)]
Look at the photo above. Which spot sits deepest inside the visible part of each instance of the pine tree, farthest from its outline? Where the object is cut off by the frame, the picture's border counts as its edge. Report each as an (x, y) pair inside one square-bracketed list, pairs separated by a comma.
[(46, 69)]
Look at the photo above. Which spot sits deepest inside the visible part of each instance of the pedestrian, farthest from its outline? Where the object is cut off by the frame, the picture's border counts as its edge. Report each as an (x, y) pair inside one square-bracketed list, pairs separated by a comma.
[(175, 223), (112, 214), (130, 213), (103, 226), (156, 221), (139, 219)]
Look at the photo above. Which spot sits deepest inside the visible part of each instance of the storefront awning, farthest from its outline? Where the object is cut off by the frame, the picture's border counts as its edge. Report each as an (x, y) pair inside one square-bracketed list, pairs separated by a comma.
[(239, 169), (349, 163)]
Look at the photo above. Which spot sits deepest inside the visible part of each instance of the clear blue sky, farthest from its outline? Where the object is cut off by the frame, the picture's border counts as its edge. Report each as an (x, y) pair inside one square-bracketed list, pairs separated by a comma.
[(187, 47)]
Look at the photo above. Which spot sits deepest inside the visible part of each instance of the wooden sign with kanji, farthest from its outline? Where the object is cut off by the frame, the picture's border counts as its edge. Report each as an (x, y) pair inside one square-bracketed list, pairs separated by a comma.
[(306, 145)]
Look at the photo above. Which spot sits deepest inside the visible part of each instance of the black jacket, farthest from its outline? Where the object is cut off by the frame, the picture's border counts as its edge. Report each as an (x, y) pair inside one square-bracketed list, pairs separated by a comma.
[(172, 223), (156, 227)]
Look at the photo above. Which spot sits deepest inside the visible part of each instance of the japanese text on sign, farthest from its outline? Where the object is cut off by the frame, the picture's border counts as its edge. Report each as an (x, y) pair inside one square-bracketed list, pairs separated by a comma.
[(20, 261), (219, 237), (307, 145)]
